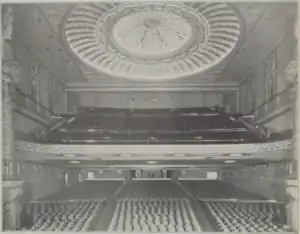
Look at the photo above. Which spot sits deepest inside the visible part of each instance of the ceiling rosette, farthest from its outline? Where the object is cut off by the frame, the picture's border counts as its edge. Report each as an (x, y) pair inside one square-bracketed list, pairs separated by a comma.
[(151, 41)]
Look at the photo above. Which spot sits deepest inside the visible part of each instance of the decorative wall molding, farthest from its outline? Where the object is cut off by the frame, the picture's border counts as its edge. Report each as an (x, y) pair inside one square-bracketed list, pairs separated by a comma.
[(138, 41)]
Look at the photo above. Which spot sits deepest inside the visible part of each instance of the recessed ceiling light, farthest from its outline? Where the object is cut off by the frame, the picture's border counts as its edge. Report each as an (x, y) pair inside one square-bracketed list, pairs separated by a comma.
[(179, 155), (208, 158), (151, 162), (198, 138), (230, 161), (125, 155), (236, 155), (90, 141), (74, 162)]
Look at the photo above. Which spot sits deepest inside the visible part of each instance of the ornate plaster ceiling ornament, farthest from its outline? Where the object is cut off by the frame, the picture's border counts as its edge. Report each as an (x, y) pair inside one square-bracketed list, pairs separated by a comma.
[(151, 41)]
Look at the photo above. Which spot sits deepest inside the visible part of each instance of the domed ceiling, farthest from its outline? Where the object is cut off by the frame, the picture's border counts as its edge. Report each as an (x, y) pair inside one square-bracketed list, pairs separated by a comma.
[(151, 41)]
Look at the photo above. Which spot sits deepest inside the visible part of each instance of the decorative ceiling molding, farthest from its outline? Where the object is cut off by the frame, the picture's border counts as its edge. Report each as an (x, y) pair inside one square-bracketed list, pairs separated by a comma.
[(151, 41), (153, 86)]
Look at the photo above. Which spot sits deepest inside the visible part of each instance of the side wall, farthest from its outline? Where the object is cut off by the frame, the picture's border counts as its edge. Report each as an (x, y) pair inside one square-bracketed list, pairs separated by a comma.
[(270, 97)]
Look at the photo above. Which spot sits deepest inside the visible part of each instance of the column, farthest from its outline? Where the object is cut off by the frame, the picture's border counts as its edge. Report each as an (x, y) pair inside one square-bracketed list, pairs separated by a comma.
[(292, 207), (8, 128), (10, 75), (292, 183)]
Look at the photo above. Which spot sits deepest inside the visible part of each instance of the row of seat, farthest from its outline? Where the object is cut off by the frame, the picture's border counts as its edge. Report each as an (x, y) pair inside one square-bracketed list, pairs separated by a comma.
[(63, 215), (247, 216), (161, 215)]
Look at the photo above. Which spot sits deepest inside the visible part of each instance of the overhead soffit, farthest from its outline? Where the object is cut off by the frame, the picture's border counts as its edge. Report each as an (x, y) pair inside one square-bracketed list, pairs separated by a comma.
[(151, 41)]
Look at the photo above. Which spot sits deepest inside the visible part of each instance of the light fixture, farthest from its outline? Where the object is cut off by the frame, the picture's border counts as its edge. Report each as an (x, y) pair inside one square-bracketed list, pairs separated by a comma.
[(236, 155), (209, 158), (89, 141), (74, 162), (230, 161), (198, 138), (125, 155), (91, 130), (179, 155), (151, 162)]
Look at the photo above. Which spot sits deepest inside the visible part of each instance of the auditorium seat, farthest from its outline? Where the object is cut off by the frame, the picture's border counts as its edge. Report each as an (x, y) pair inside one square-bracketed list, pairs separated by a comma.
[(247, 216), (154, 215), (73, 215)]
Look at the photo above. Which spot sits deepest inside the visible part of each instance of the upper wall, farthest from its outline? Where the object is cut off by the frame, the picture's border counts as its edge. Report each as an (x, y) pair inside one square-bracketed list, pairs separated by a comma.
[(265, 91), (156, 99), (38, 95), (266, 180)]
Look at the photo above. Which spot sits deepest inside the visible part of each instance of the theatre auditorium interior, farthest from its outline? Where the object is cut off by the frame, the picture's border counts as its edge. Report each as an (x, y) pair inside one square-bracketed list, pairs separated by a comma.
[(150, 117)]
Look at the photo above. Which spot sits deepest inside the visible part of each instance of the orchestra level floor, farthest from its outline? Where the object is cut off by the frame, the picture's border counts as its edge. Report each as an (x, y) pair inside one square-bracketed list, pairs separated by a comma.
[(157, 206)]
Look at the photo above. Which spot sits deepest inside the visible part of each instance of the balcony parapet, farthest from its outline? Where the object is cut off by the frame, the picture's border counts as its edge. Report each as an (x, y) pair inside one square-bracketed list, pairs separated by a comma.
[(259, 150)]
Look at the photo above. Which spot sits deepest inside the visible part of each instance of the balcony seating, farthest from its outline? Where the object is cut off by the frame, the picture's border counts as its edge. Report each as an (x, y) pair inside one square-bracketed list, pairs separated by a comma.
[(247, 217), (162, 215), (64, 215), (166, 126)]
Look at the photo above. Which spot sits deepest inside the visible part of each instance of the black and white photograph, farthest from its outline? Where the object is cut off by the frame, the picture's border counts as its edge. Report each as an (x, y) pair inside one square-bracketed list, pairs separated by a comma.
[(150, 116)]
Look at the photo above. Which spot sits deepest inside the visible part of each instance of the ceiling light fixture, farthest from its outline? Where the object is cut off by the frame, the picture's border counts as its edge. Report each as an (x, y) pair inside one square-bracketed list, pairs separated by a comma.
[(125, 155), (90, 141), (74, 162), (236, 155), (230, 161), (179, 155), (151, 162)]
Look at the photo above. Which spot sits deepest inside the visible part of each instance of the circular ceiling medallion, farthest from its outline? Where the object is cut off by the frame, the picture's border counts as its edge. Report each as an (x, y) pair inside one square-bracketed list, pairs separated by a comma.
[(151, 41)]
